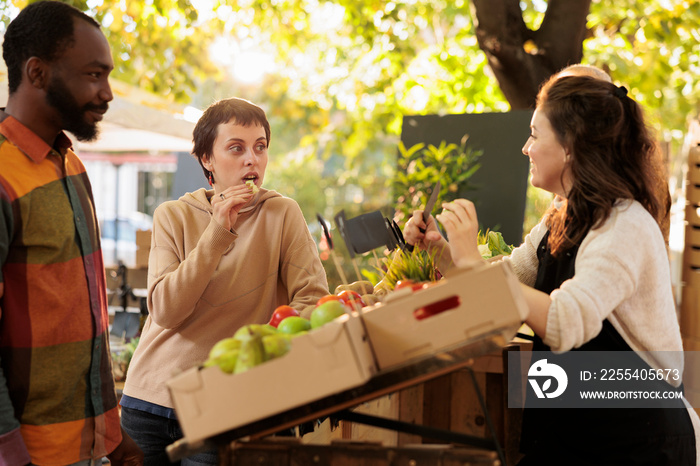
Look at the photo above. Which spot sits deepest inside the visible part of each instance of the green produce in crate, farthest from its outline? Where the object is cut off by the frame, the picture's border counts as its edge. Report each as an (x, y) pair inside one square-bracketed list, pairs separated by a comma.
[(252, 330), (226, 361), (251, 354), (326, 312), (276, 346), (250, 346), (417, 266), (492, 244), (224, 354), (294, 325), (224, 346)]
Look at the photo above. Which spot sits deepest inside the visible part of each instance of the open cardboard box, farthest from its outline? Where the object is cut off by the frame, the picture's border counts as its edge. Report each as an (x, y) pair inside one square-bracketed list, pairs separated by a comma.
[(325, 361), (483, 301)]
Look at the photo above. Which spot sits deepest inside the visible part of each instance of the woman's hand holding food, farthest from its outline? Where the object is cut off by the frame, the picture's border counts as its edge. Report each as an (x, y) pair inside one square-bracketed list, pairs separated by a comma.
[(417, 233), (229, 202), (462, 227)]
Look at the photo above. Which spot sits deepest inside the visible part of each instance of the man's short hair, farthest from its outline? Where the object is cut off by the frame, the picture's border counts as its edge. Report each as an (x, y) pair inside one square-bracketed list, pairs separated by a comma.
[(43, 30)]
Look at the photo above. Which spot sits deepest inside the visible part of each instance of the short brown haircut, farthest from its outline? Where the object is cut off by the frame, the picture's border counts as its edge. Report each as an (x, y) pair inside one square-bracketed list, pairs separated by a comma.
[(206, 130)]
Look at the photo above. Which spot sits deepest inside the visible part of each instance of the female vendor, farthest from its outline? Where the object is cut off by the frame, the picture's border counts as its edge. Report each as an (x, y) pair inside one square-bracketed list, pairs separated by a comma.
[(594, 271)]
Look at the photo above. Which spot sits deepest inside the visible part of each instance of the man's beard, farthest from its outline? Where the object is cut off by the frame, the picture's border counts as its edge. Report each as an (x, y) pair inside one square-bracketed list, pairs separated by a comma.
[(72, 115)]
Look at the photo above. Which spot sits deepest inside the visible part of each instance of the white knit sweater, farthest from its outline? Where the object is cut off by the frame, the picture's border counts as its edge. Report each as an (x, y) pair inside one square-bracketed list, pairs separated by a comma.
[(623, 275)]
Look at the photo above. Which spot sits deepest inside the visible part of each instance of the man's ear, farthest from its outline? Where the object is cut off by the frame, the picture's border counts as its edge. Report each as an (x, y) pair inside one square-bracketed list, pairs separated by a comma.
[(36, 72)]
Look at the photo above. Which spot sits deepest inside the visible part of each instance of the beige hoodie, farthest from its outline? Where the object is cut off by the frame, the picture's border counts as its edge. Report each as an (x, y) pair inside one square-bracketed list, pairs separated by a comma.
[(205, 282)]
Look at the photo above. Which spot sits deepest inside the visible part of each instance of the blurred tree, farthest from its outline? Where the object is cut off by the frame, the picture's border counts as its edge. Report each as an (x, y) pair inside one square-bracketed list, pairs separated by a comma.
[(157, 44), (522, 57), (336, 77), (346, 71), (349, 69)]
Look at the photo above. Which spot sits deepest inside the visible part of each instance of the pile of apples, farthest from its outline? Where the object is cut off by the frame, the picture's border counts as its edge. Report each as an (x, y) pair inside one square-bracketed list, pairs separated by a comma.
[(346, 299), (250, 346), (254, 344)]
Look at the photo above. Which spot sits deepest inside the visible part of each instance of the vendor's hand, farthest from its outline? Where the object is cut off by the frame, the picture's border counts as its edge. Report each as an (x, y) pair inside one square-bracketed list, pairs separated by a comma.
[(462, 227), (229, 202), (428, 238), (127, 453)]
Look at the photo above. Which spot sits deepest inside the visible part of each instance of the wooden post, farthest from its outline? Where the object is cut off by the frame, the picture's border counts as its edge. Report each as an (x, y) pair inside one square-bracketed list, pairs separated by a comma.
[(690, 295)]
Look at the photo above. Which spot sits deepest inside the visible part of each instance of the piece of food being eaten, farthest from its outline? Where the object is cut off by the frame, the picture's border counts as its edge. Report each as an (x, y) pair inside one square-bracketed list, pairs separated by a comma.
[(253, 186)]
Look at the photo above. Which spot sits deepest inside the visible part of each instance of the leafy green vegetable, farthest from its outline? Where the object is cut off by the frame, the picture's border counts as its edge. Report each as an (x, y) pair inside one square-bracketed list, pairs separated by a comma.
[(492, 244)]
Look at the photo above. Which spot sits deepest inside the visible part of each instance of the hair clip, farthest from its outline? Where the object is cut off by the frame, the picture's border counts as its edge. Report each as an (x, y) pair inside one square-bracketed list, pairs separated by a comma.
[(620, 92)]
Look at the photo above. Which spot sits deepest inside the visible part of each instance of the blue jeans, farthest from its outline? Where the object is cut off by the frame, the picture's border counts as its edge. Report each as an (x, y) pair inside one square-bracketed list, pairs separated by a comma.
[(154, 433)]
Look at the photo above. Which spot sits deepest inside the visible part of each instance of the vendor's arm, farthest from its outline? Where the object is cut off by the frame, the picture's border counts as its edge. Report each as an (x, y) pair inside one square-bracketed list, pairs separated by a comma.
[(176, 284), (573, 314), (611, 263), (538, 304), (581, 304), (301, 269)]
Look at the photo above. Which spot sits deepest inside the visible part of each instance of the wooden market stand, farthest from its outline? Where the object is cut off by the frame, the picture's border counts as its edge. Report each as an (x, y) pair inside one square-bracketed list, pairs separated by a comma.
[(488, 449)]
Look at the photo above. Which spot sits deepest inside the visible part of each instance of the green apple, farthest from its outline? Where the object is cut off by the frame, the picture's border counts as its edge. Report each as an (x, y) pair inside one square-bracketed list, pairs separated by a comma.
[(293, 325), (327, 312), (276, 345)]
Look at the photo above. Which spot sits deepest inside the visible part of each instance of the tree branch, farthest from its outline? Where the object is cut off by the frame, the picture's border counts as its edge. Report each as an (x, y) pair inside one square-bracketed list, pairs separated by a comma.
[(563, 30), (503, 35)]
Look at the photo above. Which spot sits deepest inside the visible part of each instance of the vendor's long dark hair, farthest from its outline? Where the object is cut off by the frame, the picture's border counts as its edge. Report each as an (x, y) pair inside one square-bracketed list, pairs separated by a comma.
[(613, 156)]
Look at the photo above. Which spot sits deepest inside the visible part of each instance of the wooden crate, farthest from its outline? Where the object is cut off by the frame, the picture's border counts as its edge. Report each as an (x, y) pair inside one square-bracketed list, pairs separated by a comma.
[(448, 402), (285, 453), (690, 312)]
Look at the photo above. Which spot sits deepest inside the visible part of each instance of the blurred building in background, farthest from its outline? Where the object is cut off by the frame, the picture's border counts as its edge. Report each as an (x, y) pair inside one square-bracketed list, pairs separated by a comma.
[(133, 163)]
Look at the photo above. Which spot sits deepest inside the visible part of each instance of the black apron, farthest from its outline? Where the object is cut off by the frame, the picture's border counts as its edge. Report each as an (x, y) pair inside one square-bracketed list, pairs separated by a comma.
[(623, 436)]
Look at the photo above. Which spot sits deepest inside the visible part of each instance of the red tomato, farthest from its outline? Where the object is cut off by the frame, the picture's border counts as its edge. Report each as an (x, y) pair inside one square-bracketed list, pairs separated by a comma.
[(410, 283), (351, 298), (403, 284), (329, 297), (281, 313), (436, 308)]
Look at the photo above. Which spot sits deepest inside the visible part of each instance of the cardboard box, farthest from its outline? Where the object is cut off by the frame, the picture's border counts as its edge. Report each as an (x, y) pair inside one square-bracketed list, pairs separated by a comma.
[(143, 239), (484, 301), (325, 361)]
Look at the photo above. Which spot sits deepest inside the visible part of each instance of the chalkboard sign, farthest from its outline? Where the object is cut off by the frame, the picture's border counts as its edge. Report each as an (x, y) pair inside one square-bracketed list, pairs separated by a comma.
[(501, 182)]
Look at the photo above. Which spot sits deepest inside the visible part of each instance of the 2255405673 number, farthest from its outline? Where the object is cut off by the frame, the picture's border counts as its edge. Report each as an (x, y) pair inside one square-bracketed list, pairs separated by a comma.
[(639, 374)]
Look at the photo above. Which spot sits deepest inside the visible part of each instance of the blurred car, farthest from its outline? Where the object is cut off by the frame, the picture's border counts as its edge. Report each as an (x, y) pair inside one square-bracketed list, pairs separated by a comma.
[(118, 236)]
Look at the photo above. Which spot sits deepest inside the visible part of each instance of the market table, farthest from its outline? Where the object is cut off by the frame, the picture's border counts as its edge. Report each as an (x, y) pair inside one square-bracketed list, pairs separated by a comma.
[(385, 382)]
